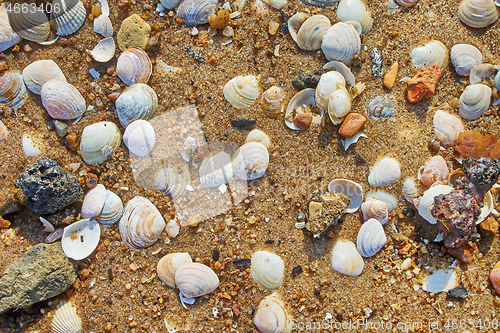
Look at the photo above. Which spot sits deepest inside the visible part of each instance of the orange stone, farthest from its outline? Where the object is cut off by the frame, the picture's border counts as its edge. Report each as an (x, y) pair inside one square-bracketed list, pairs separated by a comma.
[(4, 224), (352, 124), (423, 84), (474, 144), (391, 75), (303, 120)]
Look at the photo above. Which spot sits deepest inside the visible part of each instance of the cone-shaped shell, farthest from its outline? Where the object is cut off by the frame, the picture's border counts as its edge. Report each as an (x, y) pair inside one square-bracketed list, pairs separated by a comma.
[(173, 180), (94, 202), (139, 137), (8, 37), (216, 170), (495, 277), (12, 89), (37, 73), (328, 83), (375, 209), (447, 127), (427, 201), (32, 24), (62, 100), (311, 32), (371, 238), (139, 101), (272, 316), (341, 42), (434, 170), (474, 101), (69, 19), (267, 269), (346, 258), (250, 161), (465, 57), (112, 210), (134, 66), (66, 320), (433, 53), (355, 10), (242, 91), (195, 12), (273, 101), (195, 280), (80, 239), (478, 13), (99, 140), (353, 190), (168, 265), (385, 171)]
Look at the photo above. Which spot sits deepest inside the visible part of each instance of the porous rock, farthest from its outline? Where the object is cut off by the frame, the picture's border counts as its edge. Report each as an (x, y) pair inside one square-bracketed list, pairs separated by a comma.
[(134, 32), (325, 209), (423, 84)]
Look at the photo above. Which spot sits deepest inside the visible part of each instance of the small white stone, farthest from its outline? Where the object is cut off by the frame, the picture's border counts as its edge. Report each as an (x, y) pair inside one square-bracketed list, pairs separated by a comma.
[(172, 228), (193, 31), (228, 31)]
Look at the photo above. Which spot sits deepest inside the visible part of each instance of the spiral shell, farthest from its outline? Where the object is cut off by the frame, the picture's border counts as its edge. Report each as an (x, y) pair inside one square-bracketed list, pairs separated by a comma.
[(138, 101), (355, 10), (80, 239), (273, 101), (173, 180), (93, 202), (32, 25), (195, 280), (70, 18), (308, 33), (112, 210), (8, 37), (464, 57), (375, 209), (66, 320), (12, 89), (62, 100), (134, 66), (352, 189), (341, 42), (36, 74), (427, 201), (141, 224), (371, 238), (407, 3), (433, 53), (242, 91), (272, 316), (195, 12), (216, 170), (4, 132), (339, 105), (434, 170), (267, 269), (385, 171), (381, 107), (139, 137), (495, 277), (474, 101), (346, 258), (168, 265), (478, 13), (447, 127), (250, 161), (99, 140), (410, 191), (257, 135), (328, 83)]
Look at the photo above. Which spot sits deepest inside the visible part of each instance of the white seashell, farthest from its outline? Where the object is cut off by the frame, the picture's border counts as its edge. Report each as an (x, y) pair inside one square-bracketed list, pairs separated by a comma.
[(434, 170), (339, 105), (272, 316), (440, 280), (80, 239), (66, 320), (328, 83), (407, 3), (134, 66), (464, 57), (103, 26), (93, 202), (427, 201), (195, 280), (267, 269), (257, 135), (349, 141), (497, 81), (12, 89), (385, 171), (303, 100), (242, 91), (410, 191), (310, 32), (4, 132), (216, 170), (31, 24), (112, 210), (172, 229), (343, 70), (32, 145), (295, 22), (141, 223), (478, 13), (355, 10), (104, 50), (341, 42), (168, 265), (487, 208), (371, 238), (62, 100), (381, 107), (374, 208), (69, 19), (250, 161), (138, 101), (433, 53), (104, 7), (170, 4), (99, 140), (482, 71), (353, 190), (474, 101), (39, 72), (195, 12), (447, 127), (190, 149), (139, 137), (273, 101), (346, 258), (8, 37), (173, 180), (388, 198)]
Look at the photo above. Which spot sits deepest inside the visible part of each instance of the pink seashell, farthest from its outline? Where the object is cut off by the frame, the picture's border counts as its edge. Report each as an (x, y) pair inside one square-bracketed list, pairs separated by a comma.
[(434, 170), (495, 277), (373, 208)]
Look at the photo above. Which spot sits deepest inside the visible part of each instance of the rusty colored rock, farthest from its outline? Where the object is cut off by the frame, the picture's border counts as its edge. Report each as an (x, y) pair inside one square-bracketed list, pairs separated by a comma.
[(220, 20), (352, 124), (303, 120), (71, 141), (423, 84), (489, 226), (4, 224), (391, 75), (474, 144)]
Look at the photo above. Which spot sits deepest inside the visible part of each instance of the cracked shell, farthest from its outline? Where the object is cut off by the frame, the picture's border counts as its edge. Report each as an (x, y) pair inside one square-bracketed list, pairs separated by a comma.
[(99, 140), (138, 101), (447, 127), (346, 258), (62, 100), (168, 265), (474, 101), (134, 66), (371, 238), (66, 320), (139, 137), (385, 171), (267, 269), (195, 279), (478, 13), (12, 89), (36, 74), (341, 42), (464, 58), (250, 161), (242, 91), (272, 316)]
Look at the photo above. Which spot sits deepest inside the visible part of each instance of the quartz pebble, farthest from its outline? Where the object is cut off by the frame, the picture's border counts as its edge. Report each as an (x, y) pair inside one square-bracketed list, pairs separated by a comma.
[(352, 124), (391, 75), (423, 84)]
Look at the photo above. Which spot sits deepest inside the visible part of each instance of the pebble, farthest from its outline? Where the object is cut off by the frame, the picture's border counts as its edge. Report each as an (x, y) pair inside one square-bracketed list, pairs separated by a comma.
[(474, 144), (220, 20), (304, 79), (391, 75), (352, 124), (458, 292), (273, 27), (297, 270), (134, 32), (377, 62), (228, 31), (4, 224), (61, 128), (489, 226), (244, 123), (423, 84)]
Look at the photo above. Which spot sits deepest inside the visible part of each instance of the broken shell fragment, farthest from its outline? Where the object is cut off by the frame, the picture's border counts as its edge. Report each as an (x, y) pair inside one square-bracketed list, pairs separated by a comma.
[(139, 137), (341, 42), (195, 12), (352, 189), (80, 239), (464, 57), (104, 50), (375, 209), (474, 101), (250, 161), (103, 26), (440, 280), (12, 89), (4, 132), (381, 107), (216, 170), (267, 269), (138, 101), (434, 170), (168, 265), (62, 100), (242, 91), (134, 66), (478, 13), (272, 316), (447, 127), (407, 3), (433, 53), (273, 101), (385, 171), (39, 72), (355, 10), (371, 238), (66, 320), (195, 279), (93, 202), (482, 71), (99, 140), (8, 37), (346, 258)]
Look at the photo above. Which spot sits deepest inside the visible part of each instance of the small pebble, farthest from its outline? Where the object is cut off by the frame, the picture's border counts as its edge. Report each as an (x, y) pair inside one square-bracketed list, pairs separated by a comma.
[(352, 124), (391, 75), (377, 62), (273, 27), (458, 292), (296, 270), (242, 262), (228, 31), (423, 84), (220, 20), (215, 254), (244, 123)]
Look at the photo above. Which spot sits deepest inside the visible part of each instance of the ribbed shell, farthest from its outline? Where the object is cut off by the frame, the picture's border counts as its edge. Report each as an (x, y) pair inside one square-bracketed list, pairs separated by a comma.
[(4, 132), (433, 53), (267, 269), (195, 12), (170, 4), (250, 161), (346, 258), (328, 83), (216, 170), (371, 238), (8, 37), (464, 57), (355, 10), (242, 91), (139, 101), (478, 13), (32, 25), (341, 42), (388, 198), (312, 31), (375, 209), (427, 201), (434, 170), (139, 137), (352, 189), (474, 101), (385, 171), (173, 180), (195, 280), (67, 21), (103, 26), (134, 66), (93, 202), (407, 3), (12, 89), (273, 101), (112, 210), (37, 73), (66, 320), (62, 100), (99, 140), (168, 265), (141, 223), (272, 316), (410, 191), (80, 239), (447, 127), (381, 107)]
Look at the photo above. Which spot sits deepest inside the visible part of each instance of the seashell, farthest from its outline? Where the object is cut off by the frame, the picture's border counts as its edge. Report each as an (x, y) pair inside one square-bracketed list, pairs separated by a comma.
[(381, 107), (465, 57), (440, 280), (373, 208), (328, 83), (388, 198), (302, 102), (482, 71), (487, 207), (195, 280), (427, 201), (62, 100), (295, 22), (141, 223), (341, 42), (32, 145), (353, 190), (93, 202), (267, 269), (456, 174), (139, 137), (272, 316), (434, 170), (341, 68), (339, 105), (37, 73), (104, 50), (134, 66), (173, 180), (69, 19), (273, 101), (12, 89), (308, 31), (112, 210), (410, 191), (80, 239), (54, 236), (103, 26), (349, 141), (242, 91), (407, 3), (170, 4), (216, 170), (250, 161), (190, 149), (4, 132), (257, 135), (474, 101), (447, 127), (355, 10), (497, 81), (385, 171), (195, 12), (99, 140), (168, 265), (66, 320), (346, 258), (32, 24), (495, 277), (371, 238), (8, 37), (138, 101), (477, 13), (433, 53)]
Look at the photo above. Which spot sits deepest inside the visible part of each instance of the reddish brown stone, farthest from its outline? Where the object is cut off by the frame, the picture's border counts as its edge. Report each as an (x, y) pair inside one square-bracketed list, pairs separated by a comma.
[(352, 124), (423, 84), (474, 144), (303, 120)]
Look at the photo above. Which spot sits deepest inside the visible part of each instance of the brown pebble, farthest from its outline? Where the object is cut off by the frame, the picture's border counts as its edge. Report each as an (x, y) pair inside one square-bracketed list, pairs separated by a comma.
[(123, 5), (474, 144), (391, 75), (213, 60), (15, 49), (27, 48), (352, 124), (108, 327), (132, 324), (3, 66), (489, 226), (423, 84), (219, 20), (303, 120), (4, 224), (71, 141)]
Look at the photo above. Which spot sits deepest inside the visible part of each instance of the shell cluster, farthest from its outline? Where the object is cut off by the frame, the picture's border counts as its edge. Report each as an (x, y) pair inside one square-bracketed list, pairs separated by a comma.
[(168, 265), (267, 269), (195, 279), (346, 258), (308, 31), (99, 140), (102, 205), (242, 91), (272, 316)]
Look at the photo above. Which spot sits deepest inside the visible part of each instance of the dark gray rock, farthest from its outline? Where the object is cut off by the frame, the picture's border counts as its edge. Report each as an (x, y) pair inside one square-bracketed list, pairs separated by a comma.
[(41, 273), (304, 79), (48, 187), (61, 128), (244, 123), (458, 292)]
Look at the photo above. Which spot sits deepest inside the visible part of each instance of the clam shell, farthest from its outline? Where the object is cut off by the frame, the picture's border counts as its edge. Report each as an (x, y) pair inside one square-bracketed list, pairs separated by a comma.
[(388, 198), (464, 57), (216, 170), (344, 71), (4, 132), (66, 320), (267, 269), (168, 265), (104, 50), (139, 137), (173, 180), (495, 277), (353, 190), (407, 3), (112, 210), (339, 105), (273, 101), (294, 24), (375, 209), (134, 66), (195, 12), (62, 100), (257, 135), (80, 239), (474, 101), (170, 4), (69, 19), (99, 140), (433, 53), (328, 83), (93, 202), (482, 71), (195, 280), (341, 42), (355, 10), (385, 171), (371, 238), (303, 99), (250, 161), (32, 25), (138, 101), (242, 91), (434, 170), (12, 89), (410, 191), (427, 201), (8, 37), (311, 32), (478, 13), (272, 316), (381, 107), (37, 73), (346, 258), (447, 127), (141, 223)]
